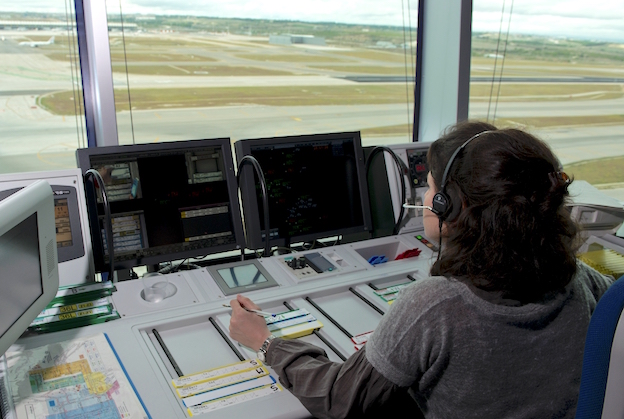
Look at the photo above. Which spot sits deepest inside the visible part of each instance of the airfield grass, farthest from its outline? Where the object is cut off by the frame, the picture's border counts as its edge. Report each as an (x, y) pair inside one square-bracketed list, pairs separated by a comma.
[(599, 171), (553, 71), (138, 57), (372, 55), (299, 58), (143, 99), (197, 70), (480, 92), (363, 69), (562, 121), (387, 130), (59, 103), (159, 42)]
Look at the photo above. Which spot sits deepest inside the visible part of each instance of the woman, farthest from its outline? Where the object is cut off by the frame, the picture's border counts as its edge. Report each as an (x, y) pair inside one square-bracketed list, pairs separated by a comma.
[(498, 329)]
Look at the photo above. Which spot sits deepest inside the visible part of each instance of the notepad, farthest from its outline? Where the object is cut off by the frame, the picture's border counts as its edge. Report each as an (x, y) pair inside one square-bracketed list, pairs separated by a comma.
[(234, 399), (224, 386)]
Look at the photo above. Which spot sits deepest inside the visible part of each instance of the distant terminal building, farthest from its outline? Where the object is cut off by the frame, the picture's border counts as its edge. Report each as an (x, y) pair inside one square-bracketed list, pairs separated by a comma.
[(385, 45), (288, 39)]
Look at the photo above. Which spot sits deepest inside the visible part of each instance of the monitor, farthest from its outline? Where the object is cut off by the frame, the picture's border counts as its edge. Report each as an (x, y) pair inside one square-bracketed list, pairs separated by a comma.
[(28, 259), (316, 183), (73, 237), (168, 201)]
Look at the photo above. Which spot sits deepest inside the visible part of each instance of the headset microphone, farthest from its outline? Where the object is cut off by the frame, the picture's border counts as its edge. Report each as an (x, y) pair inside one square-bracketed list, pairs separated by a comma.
[(417, 206)]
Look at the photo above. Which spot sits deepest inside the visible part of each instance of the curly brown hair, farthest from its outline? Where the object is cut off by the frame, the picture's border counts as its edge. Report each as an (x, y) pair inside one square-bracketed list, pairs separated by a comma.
[(509, 230)]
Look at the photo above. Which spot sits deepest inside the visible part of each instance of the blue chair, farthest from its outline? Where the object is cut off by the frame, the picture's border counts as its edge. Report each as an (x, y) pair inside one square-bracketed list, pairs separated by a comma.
[(602, 381)]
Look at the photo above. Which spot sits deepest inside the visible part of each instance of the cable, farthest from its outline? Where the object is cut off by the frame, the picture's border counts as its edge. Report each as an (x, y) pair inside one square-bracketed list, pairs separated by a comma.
[(399, 166), (123, 40), (406, 69), (500, 76), (265, 197), (500, 29), (108, 220), (71, 47)]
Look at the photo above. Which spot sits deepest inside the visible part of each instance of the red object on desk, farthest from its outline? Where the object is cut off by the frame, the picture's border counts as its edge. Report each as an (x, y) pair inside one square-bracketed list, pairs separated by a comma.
[(408, 254)]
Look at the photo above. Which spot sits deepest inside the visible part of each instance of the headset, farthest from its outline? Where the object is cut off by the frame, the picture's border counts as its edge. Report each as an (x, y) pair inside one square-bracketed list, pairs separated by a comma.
[(442, 205)]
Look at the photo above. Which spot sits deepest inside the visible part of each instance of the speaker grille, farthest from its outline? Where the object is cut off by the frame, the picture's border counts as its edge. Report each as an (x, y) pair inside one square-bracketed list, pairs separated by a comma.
[(50, 256)]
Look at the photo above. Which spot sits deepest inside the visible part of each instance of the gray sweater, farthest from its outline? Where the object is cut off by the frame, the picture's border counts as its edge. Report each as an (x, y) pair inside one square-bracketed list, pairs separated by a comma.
[(456, 354)]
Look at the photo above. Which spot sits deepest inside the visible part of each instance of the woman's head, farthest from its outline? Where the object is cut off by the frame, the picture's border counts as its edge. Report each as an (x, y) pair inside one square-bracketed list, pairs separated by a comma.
[(508, 229)]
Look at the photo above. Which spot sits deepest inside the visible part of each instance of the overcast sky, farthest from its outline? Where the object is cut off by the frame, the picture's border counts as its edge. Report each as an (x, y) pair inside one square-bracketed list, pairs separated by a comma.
[(574, 18)]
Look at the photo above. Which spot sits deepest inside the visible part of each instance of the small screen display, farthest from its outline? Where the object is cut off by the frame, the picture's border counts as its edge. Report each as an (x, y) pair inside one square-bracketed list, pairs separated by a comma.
[(20, 276), (241, 276), (63, 226), (418, 170)]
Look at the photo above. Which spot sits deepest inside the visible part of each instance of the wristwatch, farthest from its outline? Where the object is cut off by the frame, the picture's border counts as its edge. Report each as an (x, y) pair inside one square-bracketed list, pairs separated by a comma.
[(263, 349)]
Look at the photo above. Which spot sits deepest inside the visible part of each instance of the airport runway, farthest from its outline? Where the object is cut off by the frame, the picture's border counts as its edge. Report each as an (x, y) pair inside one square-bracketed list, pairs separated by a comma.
[(32, 128), (33, 139)]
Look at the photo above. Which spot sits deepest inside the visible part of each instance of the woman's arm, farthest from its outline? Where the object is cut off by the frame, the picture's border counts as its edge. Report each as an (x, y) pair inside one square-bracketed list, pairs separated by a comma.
[(327, 389), (337, 390)]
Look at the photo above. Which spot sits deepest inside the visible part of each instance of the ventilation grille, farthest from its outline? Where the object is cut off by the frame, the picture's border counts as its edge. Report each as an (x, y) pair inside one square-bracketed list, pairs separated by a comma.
[(50, 255)]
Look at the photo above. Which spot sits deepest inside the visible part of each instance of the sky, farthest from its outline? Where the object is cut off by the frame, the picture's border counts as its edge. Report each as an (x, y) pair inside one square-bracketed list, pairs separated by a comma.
[(572, 18)]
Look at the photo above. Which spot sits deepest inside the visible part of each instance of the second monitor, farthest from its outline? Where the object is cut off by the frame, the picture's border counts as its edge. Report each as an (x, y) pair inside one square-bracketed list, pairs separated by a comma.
[(316, 185)]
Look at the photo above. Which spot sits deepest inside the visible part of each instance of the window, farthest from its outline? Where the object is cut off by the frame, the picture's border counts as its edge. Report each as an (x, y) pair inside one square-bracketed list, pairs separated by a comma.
[(41, 106), (244, 69), (556, 69)]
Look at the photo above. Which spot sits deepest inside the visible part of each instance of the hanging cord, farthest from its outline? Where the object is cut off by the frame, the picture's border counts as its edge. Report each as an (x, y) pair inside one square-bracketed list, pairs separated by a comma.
[(406, 75), (123, 39), (440, 241), (71, 46), (500, 29), (399, 167), (108, 221), (500, 77), (412, 60), (265, 197)]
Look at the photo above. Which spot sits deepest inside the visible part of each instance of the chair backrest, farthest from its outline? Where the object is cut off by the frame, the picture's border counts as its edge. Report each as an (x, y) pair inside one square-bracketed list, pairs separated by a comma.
[(602, 379)]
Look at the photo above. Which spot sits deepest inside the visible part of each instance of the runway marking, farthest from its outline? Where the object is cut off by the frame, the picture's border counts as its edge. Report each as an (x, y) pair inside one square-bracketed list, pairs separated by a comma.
[(40, 158), (179, 68), (294, 118), (157, 115)]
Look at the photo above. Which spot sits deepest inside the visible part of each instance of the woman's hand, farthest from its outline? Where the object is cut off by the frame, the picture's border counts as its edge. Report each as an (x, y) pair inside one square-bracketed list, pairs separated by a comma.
[(247, 328)]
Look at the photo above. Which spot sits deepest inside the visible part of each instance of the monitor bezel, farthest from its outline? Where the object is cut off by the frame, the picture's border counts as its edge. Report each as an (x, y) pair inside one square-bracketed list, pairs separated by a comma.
[(36, 198), (83, 159), (76, 250), (248, 191)]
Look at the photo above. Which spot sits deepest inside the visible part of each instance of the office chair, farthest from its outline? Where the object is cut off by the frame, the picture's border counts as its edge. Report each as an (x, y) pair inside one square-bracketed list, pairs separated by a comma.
[(602, 379)]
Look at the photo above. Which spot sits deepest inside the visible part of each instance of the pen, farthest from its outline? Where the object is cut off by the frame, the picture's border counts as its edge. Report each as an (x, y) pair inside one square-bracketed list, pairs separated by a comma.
[(251, 310)]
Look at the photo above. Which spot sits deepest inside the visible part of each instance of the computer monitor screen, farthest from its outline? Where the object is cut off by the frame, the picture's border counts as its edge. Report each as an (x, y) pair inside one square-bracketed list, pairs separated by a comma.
[(316, 185), (28, 259), (168, 201)]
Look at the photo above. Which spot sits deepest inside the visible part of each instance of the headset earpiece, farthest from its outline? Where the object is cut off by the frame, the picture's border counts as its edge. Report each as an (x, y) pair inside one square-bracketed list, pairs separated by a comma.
[(442, 204)]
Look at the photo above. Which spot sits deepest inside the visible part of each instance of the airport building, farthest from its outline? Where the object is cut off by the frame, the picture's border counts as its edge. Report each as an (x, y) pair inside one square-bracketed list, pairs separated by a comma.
[(288, 39)]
